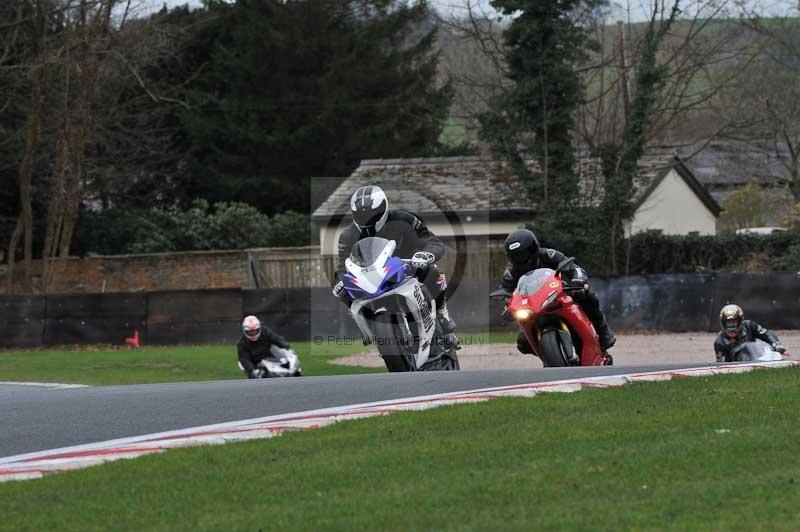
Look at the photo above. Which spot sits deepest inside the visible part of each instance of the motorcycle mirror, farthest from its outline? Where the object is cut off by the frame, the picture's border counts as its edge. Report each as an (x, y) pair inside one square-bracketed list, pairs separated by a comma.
[(564, 264), (500, 293)]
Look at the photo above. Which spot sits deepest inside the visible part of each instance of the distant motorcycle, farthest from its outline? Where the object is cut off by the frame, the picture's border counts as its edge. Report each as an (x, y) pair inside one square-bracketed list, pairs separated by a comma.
[(281, 363), (753, 352), (558, 330), (394, 310)]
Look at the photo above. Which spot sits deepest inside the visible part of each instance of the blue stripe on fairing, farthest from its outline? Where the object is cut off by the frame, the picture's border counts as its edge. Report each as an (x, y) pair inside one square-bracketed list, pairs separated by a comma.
[(394, 276)]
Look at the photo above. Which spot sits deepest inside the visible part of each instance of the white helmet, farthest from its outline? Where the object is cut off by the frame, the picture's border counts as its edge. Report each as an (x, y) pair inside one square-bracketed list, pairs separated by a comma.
[(370, 209), (251, 327)]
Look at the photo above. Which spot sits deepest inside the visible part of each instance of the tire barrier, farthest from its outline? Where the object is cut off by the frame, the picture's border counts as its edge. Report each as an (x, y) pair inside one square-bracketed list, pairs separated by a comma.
[(669, 302)]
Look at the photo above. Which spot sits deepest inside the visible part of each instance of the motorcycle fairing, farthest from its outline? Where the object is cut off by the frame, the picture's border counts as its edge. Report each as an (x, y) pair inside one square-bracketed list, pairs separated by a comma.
[(584, 329), (412, 297), (755, 351), (376, 278), (533, 293)]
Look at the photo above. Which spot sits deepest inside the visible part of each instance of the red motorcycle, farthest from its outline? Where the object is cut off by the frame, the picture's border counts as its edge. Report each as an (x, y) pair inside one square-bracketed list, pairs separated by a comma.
[(554, 324)]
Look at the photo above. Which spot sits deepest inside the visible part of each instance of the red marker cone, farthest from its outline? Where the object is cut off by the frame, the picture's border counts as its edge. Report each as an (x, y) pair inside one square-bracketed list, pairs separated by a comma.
[(133, 341)]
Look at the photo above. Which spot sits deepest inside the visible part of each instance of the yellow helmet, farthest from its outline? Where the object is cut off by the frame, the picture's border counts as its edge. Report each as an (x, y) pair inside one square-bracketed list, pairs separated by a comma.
[(730, 318)]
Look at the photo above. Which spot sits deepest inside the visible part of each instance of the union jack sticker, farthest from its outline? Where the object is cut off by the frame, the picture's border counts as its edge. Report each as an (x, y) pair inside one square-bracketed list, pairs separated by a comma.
[(442, 281)]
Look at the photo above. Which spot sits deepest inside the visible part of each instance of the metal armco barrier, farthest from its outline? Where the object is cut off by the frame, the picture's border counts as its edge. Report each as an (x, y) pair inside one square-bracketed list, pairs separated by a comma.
[(679, 302)]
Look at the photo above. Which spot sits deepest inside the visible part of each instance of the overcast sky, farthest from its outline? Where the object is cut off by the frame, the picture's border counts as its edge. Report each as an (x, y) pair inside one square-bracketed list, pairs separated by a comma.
[(639, 9)]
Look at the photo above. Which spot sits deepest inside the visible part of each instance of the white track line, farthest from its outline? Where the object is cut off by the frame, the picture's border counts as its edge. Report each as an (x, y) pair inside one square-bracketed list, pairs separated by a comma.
[(38, 464), (53, 385)]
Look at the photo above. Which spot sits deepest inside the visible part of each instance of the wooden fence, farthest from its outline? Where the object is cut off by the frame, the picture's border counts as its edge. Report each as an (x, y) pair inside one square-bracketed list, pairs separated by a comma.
[(305, 267), (301, 267)]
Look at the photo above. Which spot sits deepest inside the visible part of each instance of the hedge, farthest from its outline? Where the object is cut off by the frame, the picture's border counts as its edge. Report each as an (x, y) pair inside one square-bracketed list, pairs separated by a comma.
[(655, 253)]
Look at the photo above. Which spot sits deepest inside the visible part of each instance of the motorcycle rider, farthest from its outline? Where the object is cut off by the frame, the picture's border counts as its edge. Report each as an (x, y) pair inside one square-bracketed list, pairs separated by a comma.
[(255, 344), (525, 254), (372, 217), (735, 331)]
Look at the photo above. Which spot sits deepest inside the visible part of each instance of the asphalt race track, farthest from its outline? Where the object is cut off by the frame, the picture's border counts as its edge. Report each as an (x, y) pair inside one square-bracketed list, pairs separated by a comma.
[(37, 418)]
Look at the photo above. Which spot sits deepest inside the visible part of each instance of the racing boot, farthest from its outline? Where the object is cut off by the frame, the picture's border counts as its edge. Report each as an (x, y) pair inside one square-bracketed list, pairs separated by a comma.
[(448, 326), (607, 338)]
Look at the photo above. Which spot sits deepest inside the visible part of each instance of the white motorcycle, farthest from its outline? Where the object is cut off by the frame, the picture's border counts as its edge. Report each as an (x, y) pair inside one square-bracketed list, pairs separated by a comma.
[(754, 352), (394, 310), (281, 363)]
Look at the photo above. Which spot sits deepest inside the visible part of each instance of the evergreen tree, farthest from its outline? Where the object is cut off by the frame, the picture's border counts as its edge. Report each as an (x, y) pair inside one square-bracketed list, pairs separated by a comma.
[(534, 118), (308, 88)]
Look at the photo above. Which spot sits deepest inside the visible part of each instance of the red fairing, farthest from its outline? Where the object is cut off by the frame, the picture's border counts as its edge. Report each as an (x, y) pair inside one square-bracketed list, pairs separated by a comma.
[(577, 321), (563, 308)]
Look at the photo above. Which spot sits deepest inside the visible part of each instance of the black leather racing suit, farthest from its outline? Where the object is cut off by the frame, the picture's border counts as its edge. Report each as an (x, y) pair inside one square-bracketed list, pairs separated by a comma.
[(411, 235), (587, 299), (251, 353), (749, 331)]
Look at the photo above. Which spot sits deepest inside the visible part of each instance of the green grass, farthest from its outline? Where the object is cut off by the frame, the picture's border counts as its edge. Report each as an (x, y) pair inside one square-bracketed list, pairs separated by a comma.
[(644, 456), (172, 364), (500, 337), (155, 364)]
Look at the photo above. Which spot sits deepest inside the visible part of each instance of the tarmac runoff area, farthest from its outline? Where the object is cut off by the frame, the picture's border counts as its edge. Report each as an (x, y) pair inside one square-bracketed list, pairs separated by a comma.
[(631, 349), (37, 464)]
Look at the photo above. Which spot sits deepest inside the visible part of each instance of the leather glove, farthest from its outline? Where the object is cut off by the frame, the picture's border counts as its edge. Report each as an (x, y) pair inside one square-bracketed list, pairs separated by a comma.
[(255, 374), (421, 259), (777, 346), (579, 279)]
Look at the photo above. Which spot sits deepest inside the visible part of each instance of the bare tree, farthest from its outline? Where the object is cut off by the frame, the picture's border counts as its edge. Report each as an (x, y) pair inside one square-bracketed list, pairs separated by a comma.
[(32, 20), (471, 42), (665, 76), (87, 39), (766, 102), (78, 51)]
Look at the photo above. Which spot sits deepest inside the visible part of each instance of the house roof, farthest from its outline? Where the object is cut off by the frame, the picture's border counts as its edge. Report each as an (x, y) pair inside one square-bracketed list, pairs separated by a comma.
[(724, 164), (434, 186), (483, 186), (688, 177)]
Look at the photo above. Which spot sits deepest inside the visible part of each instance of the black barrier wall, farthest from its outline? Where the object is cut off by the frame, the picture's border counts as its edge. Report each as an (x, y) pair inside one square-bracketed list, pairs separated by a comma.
[(655, 302)]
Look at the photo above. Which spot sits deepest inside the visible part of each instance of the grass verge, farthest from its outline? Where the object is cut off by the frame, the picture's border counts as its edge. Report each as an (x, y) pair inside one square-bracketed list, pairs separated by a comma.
[(153, 364), (173, 363), (693, 454)]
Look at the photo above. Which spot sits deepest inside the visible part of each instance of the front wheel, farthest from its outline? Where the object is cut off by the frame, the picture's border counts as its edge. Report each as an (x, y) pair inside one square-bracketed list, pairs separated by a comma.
[(391, 345), (552, 350)]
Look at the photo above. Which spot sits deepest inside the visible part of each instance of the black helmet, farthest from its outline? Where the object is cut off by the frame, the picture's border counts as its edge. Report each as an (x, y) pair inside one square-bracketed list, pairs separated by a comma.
[(522, 249), (730, 318), (370, 209)]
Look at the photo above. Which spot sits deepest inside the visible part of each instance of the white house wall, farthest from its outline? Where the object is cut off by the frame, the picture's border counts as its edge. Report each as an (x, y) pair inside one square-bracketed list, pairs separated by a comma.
[(674, 209), (328, 237)]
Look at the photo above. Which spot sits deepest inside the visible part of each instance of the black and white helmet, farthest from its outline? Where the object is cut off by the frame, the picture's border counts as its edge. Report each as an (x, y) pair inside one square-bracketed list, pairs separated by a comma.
[(370, 209), (522, 249)]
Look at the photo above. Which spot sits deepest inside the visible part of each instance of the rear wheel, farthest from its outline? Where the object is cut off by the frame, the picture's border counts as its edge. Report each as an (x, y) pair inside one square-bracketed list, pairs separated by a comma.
[(392, 349), (553, 354)]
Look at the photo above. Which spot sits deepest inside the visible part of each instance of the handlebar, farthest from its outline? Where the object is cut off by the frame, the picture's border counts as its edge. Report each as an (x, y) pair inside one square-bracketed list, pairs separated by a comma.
[(500, 293)]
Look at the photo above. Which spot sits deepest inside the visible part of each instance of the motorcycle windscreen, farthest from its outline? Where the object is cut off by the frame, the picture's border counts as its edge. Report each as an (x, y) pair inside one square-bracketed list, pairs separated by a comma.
[(367, 262), (367, 251), (531, 282), (755, 352)]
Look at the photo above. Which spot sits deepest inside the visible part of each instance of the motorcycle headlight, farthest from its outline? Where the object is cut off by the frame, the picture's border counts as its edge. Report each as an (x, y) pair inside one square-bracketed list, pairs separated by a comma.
[(522, 314), (550, 300)]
